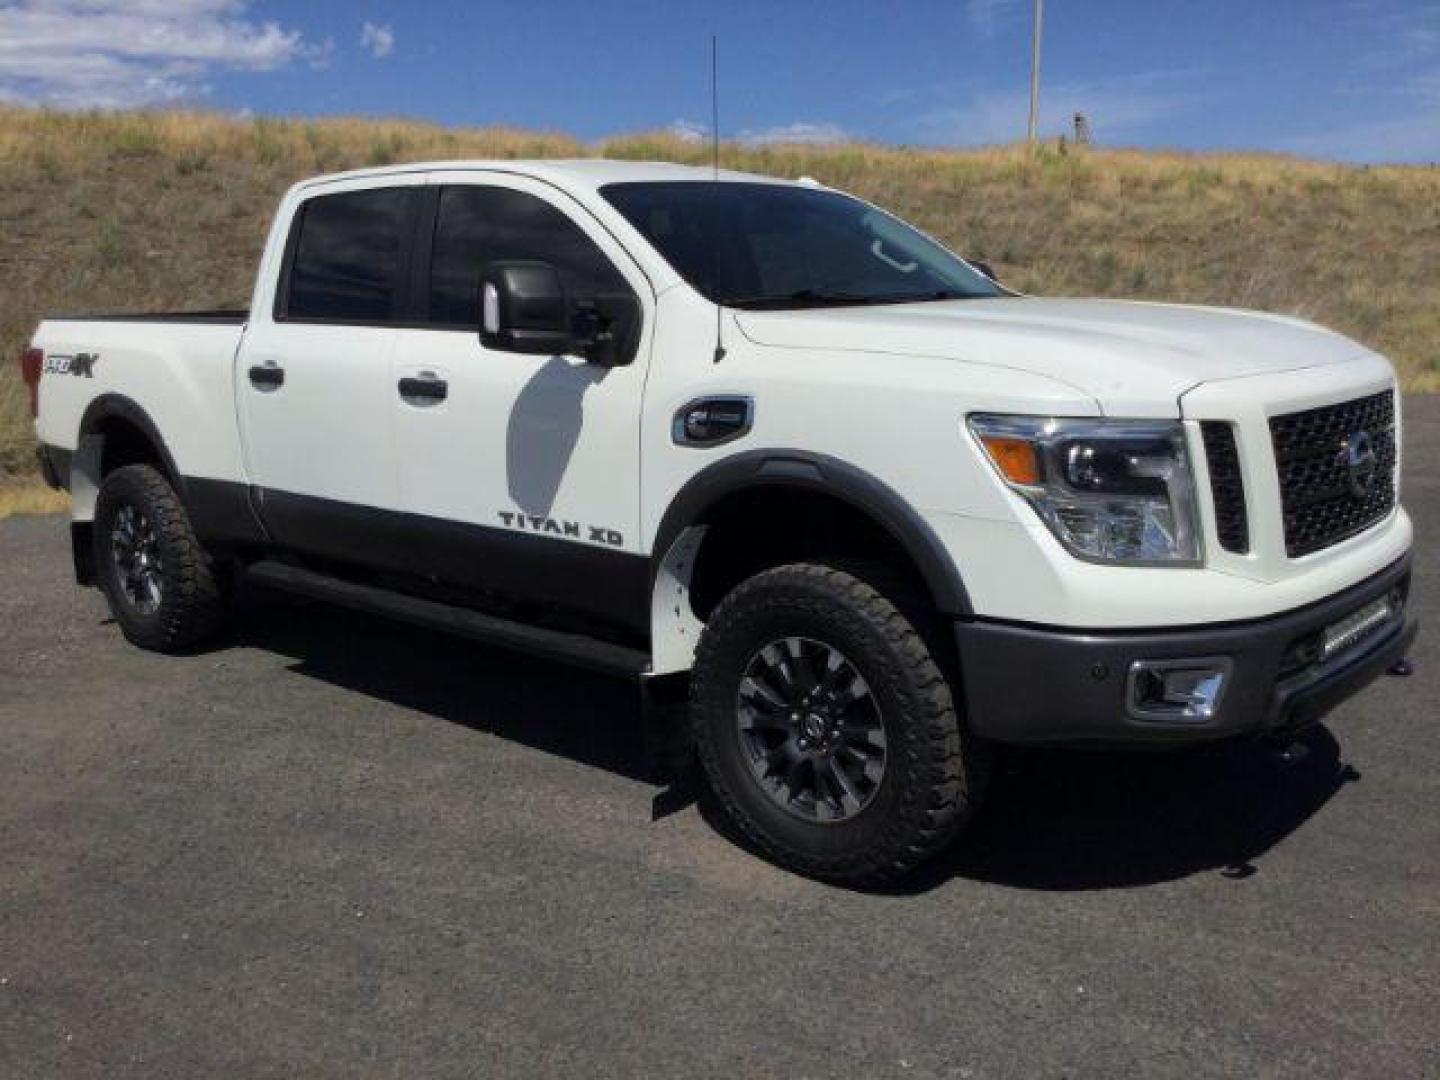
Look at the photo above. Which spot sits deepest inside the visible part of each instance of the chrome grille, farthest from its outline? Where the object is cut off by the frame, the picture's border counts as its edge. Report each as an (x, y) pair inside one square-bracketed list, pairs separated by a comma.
[(1325, 499)]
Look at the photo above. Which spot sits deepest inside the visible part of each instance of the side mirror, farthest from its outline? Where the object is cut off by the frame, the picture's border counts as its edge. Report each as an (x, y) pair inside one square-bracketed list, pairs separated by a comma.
[(984, 268), (524, 309)]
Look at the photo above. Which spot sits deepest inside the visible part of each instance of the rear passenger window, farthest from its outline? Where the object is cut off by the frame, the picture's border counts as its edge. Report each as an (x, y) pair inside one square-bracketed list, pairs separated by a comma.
[(347, 257), (477, 225)]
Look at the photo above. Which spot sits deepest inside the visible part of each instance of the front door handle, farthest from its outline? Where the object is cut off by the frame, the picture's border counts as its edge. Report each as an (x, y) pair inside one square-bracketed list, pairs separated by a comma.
[(425, 389), (267, 377)]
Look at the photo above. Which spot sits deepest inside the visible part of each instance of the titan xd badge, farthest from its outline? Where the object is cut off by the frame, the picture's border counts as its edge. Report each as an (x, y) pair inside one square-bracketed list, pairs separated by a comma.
[(596, 534)]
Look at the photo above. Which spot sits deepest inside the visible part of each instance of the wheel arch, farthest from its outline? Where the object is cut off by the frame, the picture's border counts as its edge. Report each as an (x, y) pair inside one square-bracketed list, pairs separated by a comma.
[(114, 431), (791, 481), (128, 436)]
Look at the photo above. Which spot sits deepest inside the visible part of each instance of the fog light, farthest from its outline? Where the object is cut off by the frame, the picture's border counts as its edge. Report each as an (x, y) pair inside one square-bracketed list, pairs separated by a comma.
[(1359, 625), (1177, 691)]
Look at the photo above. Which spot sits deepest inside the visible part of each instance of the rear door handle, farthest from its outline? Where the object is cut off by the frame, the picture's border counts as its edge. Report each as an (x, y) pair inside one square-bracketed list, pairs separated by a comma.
[(425, 389), (267, 377)]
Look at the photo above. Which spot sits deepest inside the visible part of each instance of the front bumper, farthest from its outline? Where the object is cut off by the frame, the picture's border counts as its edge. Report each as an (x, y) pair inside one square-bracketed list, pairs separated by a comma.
[(1029, 684)]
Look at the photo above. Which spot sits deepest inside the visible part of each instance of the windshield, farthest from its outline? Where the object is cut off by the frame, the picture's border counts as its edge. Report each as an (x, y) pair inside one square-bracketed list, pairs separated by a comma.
[(775, 246)]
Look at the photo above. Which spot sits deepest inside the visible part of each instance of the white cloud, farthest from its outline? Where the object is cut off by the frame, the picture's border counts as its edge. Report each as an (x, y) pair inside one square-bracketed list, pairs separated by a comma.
[(688, 130), (799, 132), (378, 38), (320, 56), (128, 53), (987, 16), (1117, 108), (692, 131)]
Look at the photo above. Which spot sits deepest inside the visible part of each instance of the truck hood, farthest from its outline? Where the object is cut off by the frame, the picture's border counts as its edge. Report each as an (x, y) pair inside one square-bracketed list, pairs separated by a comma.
[(1133, 358)]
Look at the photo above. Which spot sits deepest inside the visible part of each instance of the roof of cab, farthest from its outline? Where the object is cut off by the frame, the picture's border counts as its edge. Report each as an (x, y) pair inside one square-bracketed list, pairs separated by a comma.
[(586, 173)]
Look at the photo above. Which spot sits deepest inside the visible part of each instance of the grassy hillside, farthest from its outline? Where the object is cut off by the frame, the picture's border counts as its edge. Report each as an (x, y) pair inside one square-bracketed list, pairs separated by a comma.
[(136, 211)]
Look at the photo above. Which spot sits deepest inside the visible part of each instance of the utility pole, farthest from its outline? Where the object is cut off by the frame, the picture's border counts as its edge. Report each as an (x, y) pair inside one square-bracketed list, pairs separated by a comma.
[(1035, 69)]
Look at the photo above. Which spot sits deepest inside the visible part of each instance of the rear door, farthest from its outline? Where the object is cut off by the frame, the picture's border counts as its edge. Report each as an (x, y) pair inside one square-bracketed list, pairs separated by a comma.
[(313, 381), (526, 467)]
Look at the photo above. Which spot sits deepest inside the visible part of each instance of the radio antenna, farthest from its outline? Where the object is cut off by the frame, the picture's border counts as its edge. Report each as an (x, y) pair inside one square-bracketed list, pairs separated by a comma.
[(715, 189)]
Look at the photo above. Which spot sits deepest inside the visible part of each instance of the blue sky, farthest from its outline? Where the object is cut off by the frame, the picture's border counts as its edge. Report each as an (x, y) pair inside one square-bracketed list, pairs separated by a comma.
[(1349, 79)]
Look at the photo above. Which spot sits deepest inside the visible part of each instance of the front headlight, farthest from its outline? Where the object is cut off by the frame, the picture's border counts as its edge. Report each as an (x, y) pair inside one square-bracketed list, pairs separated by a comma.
[(1115, 491)]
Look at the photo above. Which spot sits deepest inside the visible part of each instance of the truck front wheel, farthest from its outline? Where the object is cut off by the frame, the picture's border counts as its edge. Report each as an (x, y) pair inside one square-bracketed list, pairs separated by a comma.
[(159, 581), (826, 728)]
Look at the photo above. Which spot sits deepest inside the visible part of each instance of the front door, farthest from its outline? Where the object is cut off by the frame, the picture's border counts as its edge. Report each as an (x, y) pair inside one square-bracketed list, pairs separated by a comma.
[(526, 468)]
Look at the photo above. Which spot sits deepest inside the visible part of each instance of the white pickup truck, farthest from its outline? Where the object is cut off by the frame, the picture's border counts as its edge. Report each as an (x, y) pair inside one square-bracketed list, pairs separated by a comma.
[(760, 440)]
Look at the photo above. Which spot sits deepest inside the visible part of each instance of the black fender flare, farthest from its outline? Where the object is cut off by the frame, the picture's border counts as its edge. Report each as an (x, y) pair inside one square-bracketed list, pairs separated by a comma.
[(119, 407), (830, 476), (221, 511)]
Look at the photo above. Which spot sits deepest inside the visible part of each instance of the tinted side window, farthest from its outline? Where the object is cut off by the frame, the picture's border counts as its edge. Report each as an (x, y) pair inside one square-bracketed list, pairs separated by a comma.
[(347, 256), (477, 225)]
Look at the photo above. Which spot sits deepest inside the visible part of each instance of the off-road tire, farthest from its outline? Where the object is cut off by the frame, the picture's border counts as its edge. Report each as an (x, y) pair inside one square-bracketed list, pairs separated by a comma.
[(933, 774), (192, 604)]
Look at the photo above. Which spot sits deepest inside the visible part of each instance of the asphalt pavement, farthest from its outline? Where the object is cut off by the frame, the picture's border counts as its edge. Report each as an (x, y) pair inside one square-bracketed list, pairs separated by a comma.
[(333, 846)]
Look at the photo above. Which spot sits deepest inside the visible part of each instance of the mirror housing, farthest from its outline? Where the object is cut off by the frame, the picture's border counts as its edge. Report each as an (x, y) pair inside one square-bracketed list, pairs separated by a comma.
[(984, 268), (524, 308)]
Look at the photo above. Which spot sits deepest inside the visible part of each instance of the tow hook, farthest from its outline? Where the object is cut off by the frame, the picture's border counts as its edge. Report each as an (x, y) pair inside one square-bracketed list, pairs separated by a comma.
[(1401, 669)]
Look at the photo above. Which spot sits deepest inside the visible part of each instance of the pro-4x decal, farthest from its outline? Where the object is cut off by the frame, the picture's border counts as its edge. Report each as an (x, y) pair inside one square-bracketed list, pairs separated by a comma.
[(78, 364)]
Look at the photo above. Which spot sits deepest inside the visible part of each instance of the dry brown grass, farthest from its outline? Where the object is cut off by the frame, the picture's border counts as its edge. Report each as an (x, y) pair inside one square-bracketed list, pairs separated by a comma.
[(30, 497), (169, 210)]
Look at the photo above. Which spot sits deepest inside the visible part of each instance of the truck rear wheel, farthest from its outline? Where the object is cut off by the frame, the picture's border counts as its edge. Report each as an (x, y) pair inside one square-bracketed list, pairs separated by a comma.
[(826, 728), (160, 582)]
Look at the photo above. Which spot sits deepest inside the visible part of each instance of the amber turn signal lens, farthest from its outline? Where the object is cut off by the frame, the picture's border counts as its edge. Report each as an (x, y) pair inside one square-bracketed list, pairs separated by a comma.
[(1015, 458)]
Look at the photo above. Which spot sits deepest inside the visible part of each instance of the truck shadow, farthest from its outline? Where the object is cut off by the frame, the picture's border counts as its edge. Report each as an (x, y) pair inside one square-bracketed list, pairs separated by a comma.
[(1053, 820), (1078, 820), (560, 710), (1082, 820)]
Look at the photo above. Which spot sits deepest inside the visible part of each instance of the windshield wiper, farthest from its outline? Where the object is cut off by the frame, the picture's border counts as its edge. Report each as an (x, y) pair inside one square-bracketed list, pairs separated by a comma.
[(920, 298), (815, 298), (798, 298)]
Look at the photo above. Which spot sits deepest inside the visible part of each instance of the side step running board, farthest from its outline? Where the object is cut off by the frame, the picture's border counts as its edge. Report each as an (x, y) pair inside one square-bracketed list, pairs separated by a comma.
[(576, 649)]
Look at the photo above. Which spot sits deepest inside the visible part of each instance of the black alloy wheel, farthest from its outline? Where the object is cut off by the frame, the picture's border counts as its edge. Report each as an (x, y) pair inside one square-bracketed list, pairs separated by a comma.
[(811, 729)]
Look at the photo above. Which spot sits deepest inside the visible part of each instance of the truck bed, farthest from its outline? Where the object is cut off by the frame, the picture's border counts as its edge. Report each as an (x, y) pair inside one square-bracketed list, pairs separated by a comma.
[(175, 369)]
